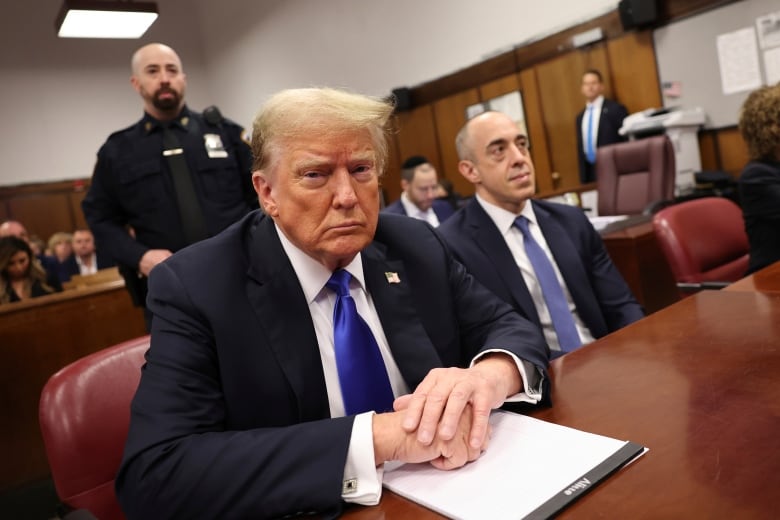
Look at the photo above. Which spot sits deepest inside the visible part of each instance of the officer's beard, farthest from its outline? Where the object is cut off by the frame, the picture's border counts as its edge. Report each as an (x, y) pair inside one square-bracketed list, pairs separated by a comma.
[(169, 103)]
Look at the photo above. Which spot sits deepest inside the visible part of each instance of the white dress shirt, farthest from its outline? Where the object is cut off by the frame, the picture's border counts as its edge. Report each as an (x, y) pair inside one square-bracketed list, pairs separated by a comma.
[(596, 104), (413, 211), (87, 269), (504, 221), (360, 468)]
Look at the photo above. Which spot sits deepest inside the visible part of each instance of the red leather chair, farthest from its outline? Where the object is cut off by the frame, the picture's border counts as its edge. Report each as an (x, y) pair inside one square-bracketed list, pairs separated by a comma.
[(704, 241), (633, 176), (84, 415)]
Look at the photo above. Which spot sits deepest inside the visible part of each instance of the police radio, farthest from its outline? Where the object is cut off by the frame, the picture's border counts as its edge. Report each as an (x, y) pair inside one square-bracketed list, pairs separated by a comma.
[(213, 116)]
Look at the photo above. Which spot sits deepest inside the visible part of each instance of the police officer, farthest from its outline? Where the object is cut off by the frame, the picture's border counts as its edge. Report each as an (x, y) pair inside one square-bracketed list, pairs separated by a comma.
[(171, 179)]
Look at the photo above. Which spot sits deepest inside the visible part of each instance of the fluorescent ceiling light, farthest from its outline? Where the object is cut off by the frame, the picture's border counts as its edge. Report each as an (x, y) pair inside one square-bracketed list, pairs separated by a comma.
[(108, 19)]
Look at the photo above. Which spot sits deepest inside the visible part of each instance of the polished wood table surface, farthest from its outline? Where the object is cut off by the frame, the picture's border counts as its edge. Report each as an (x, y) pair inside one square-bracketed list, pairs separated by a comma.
[(764, 280), (698, 383)]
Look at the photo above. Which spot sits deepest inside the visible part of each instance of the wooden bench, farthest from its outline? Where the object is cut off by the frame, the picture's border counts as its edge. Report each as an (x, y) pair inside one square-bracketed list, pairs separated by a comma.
[(80, 281), (37, 338)]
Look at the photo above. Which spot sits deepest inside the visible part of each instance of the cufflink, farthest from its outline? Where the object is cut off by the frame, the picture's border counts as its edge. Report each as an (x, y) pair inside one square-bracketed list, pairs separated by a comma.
[(349, 486)]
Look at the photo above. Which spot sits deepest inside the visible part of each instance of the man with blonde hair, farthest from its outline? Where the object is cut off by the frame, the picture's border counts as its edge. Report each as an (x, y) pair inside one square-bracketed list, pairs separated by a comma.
[(296, 352)]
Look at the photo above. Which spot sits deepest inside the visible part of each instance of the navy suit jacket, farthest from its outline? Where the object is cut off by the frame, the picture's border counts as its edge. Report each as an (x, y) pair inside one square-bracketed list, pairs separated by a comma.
[(442, 208), (70, 267), (603, 300), (231, 418), (610, 121)]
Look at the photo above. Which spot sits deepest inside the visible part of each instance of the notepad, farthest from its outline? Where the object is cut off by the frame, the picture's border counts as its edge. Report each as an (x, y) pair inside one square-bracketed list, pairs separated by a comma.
[(532, 469)]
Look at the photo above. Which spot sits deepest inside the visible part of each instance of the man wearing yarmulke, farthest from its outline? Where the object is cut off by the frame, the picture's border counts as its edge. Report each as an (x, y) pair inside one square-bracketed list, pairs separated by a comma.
[(419, 184)]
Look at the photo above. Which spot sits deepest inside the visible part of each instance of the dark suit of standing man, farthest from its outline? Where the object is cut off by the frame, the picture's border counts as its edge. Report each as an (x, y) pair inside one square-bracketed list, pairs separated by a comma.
[(494, 157), (608, 118), (239, 412), (132, 206)]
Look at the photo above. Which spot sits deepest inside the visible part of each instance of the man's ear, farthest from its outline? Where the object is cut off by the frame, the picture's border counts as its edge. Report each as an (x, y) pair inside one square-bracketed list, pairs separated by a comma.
[(135, 84), (469, 171), (264, 193), (404, 184)]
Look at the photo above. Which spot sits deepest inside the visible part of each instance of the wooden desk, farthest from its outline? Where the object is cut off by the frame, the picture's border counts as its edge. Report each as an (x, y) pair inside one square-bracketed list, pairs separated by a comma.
[(637, 255), (697, 383), (37, 338), (765, 280)]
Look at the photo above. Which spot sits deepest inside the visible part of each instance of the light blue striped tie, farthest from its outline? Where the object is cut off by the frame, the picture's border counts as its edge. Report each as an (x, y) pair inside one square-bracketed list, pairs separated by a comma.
[(562, 319), (590, 151)]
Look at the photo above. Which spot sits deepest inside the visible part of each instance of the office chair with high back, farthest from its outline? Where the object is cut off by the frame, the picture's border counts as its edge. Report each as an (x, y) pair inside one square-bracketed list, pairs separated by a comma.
[(634, 176), (704, 242), (84, 415)]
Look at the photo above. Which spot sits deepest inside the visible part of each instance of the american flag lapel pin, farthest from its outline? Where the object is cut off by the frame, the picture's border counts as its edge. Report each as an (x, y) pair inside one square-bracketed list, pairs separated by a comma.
[(392, 277)]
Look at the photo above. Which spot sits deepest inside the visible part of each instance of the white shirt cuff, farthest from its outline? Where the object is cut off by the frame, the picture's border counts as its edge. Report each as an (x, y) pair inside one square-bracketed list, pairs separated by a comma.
[(362, 482), (531, 377)]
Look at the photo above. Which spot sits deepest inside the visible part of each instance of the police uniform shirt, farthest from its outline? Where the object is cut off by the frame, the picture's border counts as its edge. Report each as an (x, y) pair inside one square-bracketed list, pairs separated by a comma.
[(132, 185)]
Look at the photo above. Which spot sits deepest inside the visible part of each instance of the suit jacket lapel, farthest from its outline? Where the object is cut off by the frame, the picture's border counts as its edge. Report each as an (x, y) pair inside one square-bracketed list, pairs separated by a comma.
[(412, 349), (484, 232), (275, 294)]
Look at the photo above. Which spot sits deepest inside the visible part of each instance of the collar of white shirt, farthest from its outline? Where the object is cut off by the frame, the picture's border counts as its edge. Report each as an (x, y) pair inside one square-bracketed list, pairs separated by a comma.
[(312, 274)]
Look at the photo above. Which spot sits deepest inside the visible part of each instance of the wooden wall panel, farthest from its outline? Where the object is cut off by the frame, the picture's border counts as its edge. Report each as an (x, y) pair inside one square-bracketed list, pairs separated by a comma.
[(416, 135), (43, 214), (708, 151), (39, 337), (74, 199), (546, 179), (499, 87), (392, 171), (450, 115), (45, 208), (732, 150), (559, 82), (633, 71)]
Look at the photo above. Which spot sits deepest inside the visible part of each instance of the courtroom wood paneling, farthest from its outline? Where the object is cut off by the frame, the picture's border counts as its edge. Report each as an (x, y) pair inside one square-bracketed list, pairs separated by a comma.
[(37, 338), (45, 208), (559, 82), (732, 151), (450, 115), (708, 150), (533, 118), (488, 70), (498, 87), (44, 214), (634, 72), (546, 178), (723, 149), (416, 135), (74, 199)]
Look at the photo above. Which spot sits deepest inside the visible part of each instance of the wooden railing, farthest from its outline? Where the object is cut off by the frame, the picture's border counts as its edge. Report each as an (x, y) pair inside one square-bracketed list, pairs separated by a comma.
[(37, 338)]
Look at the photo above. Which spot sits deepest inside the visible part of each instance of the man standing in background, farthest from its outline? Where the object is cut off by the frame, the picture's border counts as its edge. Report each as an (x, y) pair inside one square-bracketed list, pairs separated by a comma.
[(420, 189), (173, 178), (597, 125)]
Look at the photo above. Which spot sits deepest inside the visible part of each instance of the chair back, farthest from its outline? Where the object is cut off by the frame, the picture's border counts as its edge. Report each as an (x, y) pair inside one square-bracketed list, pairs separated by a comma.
[(84, 415), (631, 176), (704, 240)]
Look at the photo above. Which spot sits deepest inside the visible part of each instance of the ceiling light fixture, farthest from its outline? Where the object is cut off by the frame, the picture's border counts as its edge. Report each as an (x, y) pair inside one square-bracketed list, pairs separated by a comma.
[(108, 19)]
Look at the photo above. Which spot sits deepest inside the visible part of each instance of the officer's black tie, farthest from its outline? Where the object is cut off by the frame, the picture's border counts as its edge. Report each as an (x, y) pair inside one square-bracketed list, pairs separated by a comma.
[(189, 207)]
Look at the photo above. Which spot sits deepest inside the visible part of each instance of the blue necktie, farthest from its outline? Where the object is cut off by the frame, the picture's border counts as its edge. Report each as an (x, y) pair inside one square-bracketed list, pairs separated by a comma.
[(590, 151), (562, 319), (362, 374)]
